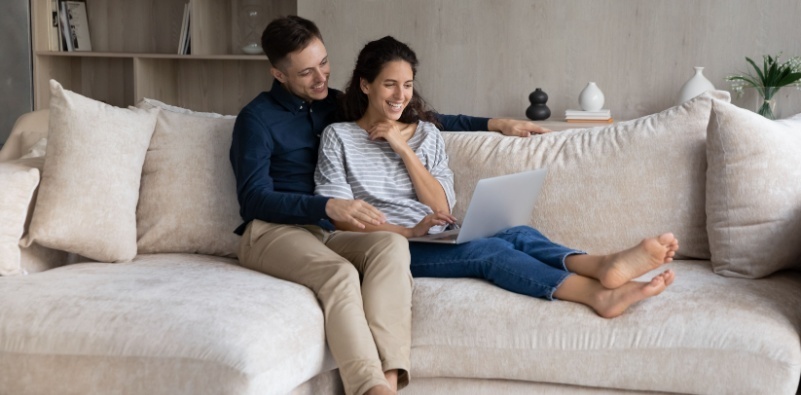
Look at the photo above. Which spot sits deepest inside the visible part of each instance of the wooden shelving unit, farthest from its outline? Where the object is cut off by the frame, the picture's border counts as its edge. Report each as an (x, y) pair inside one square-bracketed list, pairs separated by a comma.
[(134, 55)]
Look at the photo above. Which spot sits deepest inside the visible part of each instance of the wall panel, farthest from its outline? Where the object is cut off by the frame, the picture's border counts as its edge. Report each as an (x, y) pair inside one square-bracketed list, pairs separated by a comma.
[(484, 57)]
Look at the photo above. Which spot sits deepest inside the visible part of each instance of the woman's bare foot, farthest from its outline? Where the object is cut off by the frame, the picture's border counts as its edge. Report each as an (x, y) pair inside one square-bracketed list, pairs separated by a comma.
[(613, 302), (620, 268)]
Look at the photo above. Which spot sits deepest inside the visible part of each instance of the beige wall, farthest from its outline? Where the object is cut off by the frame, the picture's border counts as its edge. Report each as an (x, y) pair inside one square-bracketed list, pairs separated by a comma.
[(485, 57)]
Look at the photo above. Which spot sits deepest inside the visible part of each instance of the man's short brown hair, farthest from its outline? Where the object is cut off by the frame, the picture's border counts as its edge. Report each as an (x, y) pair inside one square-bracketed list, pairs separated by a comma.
[(286, 35)]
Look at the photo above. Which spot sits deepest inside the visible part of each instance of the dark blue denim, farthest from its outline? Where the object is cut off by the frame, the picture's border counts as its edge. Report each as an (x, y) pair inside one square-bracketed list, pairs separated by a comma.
[(519, 259)]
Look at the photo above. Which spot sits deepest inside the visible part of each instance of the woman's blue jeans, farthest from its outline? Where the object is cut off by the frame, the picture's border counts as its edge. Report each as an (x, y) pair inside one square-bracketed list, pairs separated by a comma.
[(519, 259)]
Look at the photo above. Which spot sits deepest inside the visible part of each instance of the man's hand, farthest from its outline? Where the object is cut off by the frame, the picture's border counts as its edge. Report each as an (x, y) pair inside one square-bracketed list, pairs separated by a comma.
[(355, 212), (515, 127), (429, 221)]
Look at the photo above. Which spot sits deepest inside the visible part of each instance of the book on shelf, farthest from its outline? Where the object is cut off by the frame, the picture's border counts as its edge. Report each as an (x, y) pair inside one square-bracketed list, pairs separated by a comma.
[(63, 28), (186, 32), (74, 25), (188, 42), (53, 35)]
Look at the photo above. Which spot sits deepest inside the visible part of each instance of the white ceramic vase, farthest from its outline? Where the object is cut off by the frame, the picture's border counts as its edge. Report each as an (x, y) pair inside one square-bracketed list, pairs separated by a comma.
[(695, 86), (591, 98)]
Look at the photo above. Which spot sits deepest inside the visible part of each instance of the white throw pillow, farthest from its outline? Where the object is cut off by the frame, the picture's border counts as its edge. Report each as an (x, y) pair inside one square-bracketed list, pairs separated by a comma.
[(753, 201), (90, 182), (607, 187), (188, 201), (18, 181), (153, 103)]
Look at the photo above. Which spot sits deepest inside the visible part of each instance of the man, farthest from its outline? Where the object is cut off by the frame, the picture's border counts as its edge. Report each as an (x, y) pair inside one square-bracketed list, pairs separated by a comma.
[(362, 280)]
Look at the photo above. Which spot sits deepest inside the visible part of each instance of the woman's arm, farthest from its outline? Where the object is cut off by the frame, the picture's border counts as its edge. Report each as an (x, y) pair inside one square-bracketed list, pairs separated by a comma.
[(429, 191)]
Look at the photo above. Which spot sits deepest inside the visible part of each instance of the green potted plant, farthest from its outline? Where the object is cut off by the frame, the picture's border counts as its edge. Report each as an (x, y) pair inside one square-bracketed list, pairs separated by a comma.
[(768, 80)]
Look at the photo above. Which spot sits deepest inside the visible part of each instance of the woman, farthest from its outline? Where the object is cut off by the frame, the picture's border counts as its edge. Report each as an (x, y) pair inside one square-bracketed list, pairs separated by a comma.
[(391, 155)]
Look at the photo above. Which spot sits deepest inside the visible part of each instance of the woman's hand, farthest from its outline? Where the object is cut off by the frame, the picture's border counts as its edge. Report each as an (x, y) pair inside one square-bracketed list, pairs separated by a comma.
[(390, 132), (429, 221)]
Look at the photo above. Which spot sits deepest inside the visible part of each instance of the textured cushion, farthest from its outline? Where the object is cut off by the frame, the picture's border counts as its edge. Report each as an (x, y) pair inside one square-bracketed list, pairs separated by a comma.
[(37, 150), (607, 187), (187, 201), (18, 181), (90, 182), (162, 324), (153, 103), (753, 192), (706, 334), (35, 258)]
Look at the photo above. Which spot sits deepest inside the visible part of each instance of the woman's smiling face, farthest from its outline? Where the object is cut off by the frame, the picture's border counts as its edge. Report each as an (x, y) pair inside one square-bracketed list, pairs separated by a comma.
[(390, 92)]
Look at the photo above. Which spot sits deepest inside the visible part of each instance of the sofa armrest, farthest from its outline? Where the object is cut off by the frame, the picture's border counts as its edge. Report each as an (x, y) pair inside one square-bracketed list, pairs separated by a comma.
[(28, 129)]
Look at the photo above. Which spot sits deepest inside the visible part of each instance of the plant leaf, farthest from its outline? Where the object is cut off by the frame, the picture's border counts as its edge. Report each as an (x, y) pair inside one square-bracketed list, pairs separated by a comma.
[(759, 73), (788, 79)]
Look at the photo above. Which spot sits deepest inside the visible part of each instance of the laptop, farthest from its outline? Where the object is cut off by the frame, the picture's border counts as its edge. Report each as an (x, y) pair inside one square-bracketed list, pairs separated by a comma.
[(498, 203)]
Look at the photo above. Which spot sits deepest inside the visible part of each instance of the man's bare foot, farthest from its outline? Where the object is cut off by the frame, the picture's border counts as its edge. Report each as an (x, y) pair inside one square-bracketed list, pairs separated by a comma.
[(614, 302), (620, 268), (380, 390), (392, 379)]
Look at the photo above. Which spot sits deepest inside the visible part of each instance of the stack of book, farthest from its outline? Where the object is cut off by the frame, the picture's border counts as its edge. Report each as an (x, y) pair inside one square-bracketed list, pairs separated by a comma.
[(70, 26), (588, 116)]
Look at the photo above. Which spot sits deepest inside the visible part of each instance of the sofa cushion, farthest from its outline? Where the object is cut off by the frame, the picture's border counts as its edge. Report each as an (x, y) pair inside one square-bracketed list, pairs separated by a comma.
[(27, 131), (162, 324), (187, 201), (753, 200), (19, 180), (90, 181), (704, 334), (607, 187)]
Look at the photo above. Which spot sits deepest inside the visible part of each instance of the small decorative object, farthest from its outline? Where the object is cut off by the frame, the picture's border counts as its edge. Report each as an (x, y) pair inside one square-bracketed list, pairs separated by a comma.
[(251, 22), (696, 85), (591, 98), (768, 80), (538, 111)]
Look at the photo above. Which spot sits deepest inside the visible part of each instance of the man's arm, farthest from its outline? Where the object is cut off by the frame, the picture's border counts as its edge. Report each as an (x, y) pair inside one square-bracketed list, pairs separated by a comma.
[(421, 229), (251, 152), (507, 126), (330, 180)]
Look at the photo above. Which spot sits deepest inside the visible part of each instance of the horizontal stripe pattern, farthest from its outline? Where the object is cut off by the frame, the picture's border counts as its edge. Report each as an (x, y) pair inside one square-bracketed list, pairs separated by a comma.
[(351, 166)]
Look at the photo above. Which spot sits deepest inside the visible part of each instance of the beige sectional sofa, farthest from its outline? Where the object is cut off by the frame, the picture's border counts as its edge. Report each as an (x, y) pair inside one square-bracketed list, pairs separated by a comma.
[(182, 317)]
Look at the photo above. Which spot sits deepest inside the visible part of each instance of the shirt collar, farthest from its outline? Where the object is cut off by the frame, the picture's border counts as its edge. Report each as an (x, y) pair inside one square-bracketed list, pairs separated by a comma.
[(286, 99)]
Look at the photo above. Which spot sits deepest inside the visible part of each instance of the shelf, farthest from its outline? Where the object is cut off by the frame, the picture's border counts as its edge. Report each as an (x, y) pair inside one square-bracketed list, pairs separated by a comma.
[(135, 46), (130, 55)]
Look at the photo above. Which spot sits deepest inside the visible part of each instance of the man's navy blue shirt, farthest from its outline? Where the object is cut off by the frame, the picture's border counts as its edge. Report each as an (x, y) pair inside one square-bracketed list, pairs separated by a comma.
[(274, 154)]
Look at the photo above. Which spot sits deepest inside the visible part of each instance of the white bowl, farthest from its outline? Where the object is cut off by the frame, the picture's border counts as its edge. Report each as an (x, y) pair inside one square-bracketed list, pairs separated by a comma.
[(252, 49)]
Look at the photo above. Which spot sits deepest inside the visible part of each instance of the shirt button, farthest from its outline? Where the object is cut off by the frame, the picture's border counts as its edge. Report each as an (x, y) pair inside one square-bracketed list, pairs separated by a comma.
[(301, 107), (311, 110)]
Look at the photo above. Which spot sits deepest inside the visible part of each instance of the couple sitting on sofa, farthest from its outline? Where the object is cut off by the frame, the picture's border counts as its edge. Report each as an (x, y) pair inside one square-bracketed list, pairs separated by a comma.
[(388, 155)]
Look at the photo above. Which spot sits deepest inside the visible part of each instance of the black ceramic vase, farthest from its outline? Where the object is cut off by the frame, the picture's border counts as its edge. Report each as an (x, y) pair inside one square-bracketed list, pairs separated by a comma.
[(538, 111)]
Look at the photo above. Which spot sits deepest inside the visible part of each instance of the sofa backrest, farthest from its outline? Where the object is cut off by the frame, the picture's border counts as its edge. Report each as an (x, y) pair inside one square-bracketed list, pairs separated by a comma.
[(29, 129), (607, 187)]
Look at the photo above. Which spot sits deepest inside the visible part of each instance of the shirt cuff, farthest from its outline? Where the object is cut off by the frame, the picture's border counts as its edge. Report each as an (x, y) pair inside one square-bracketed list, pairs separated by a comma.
[(318, 208)]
